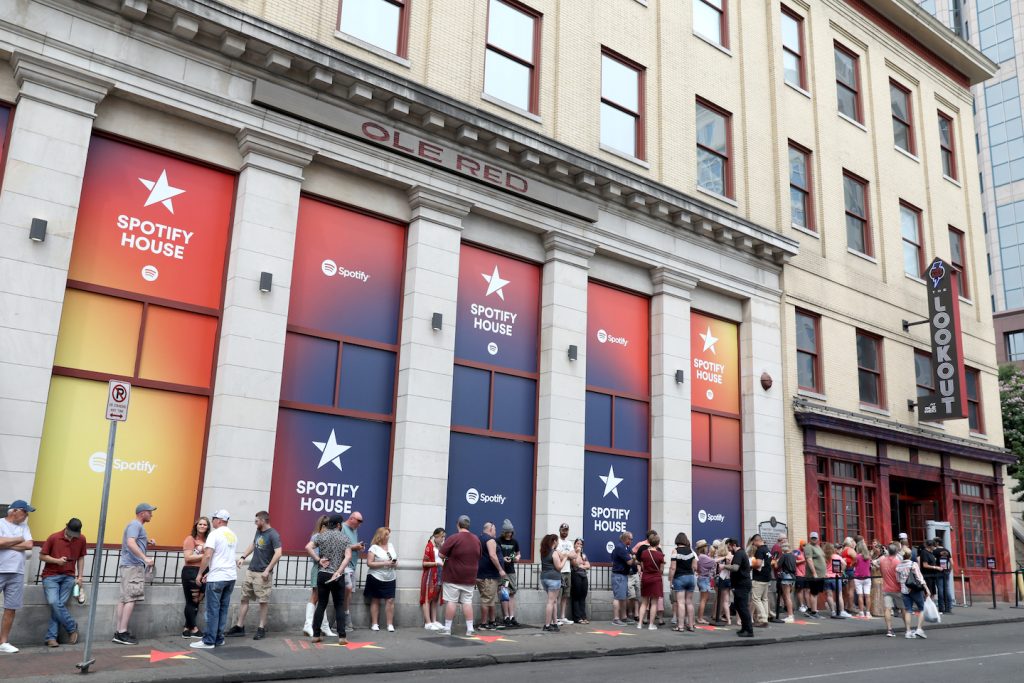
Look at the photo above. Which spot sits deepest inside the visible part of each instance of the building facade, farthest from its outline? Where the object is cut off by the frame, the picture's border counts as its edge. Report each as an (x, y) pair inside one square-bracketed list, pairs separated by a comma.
[(537, 261)]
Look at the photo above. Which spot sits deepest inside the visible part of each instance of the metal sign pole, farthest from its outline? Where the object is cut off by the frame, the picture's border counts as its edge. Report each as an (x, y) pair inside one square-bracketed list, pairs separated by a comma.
[(97, 559)]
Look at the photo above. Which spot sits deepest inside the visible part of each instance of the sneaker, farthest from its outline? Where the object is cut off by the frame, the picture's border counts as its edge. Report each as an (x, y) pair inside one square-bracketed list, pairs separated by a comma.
[(51, 642), (788, 620), (554, 627), (890, 634), (200, 645), (629, 621), (920, 633), (803, 608), (444, 631), (618, 622), (845, 615), (186, 634), (261, 633), (235, 631), (910, 635), (430, 627), (7, 649), (198, 635), (502, 625), (470, 632), (652, 627), (374, 627), (513, 622), (438, 626), (673, 621), (73, 637), (391, 628), (124, 639), (486, 626)]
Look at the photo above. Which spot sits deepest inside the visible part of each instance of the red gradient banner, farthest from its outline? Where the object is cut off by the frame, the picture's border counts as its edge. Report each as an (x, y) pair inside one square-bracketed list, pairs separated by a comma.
[(618, 341), (152, 224), (715, 368), (5, 122)]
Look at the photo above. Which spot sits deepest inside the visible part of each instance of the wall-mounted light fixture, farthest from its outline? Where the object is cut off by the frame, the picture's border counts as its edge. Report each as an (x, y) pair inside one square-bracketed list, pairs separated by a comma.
[(266, 281), (911, 404), (680, 377), (37, 233), (766, 381), (573, 352), (436, 321)]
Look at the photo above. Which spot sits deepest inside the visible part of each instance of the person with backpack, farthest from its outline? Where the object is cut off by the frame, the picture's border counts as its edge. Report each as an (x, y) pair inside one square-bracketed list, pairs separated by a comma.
[(914, 590)]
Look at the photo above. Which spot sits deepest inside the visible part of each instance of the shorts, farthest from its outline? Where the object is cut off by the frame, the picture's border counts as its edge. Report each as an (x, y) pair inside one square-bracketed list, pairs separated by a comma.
[(633, 588), (704, 584), (862, 586), (13, 587), (133, 584), (816, 586), (552, 585), (313, 571), (565, 584), (833, 585), (848, 574), (512, 583), (620, 586), (913, 601), (893, 600), (787, 579), (457, 593), (685, 583), (801, 582), (488, 592), (255, 588), (723, 584)]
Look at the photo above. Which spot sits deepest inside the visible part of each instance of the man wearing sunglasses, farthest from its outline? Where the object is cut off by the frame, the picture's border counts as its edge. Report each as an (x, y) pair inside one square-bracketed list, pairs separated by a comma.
[(351, 530)]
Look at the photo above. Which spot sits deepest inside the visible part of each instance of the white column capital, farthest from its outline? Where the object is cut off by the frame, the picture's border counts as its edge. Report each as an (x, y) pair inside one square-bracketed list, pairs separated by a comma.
[(274, 154), (673, 282), (58, 84), (575, 251), (437, 206)]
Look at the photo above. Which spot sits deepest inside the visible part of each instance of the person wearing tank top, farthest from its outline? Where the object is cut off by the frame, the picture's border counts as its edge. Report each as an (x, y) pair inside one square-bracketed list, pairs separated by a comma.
[(682, 569)]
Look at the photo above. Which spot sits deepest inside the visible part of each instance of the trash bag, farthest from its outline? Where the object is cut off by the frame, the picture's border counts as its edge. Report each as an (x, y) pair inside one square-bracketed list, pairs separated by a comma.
[(931, 612)]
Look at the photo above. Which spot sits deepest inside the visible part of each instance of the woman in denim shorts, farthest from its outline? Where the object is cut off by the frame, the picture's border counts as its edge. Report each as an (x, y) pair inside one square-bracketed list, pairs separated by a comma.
[(551, 563), (706, 567), (785, 565), (681, 569)]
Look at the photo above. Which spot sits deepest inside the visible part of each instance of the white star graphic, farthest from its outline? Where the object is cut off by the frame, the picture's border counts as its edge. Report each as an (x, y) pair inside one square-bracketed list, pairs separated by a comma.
[(709, 340), (495, 283), (611, 482), (330, 452), (161, 191)]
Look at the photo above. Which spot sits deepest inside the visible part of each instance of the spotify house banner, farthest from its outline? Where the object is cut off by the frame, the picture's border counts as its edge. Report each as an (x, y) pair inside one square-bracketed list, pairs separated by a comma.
[(615, 500)]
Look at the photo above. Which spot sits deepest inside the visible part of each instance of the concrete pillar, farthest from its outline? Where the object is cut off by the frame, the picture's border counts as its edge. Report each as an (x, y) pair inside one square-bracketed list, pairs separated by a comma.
[(419, 482), (47, 150), (671, 478), (764, 449), (563, 385), (240, 454)]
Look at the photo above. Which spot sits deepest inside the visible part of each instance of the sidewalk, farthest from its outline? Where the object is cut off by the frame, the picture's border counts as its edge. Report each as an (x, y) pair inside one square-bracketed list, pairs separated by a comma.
[(288, 655)]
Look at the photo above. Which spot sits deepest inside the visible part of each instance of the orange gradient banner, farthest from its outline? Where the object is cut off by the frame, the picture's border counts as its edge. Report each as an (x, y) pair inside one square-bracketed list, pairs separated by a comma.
[(715, 368)]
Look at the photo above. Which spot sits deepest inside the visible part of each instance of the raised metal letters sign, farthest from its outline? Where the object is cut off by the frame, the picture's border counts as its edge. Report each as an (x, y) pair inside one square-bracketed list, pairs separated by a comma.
[(950, 400)]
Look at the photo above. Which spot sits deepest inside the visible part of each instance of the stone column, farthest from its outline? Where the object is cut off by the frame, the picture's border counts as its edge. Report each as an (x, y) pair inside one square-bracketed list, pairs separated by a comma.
[(419, 481), (563, 386), (243, 424), (671, 458), (764, 449), (47, 150)]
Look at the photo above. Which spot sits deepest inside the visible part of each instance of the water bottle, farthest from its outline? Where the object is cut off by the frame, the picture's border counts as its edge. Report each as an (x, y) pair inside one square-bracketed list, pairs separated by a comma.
[(75, 591)]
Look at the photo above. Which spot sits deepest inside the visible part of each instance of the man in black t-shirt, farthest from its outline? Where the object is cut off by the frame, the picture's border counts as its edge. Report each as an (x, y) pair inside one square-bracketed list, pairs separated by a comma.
[(929, 564), (508, 550), (762, 575), (740, 580), (943, 593)]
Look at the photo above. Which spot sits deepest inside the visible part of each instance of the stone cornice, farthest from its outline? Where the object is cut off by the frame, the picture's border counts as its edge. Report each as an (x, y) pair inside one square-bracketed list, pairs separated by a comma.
[(58, 84), (570, 249), (673, 282), (274, 154), (437, 206)]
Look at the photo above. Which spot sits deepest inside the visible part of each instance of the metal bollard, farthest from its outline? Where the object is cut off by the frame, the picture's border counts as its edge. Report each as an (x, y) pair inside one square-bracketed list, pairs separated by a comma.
[(992, 577)]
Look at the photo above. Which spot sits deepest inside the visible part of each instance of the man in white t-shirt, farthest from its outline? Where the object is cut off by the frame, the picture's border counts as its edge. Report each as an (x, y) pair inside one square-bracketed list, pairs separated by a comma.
[(564, 547), (15, 540), (219, 558)]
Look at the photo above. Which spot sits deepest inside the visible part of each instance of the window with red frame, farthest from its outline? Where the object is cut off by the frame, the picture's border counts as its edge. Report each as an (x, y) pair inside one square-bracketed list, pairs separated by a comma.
[(958, 258), (801, 203), (975, 515), (714, 149), (513, 53), (923, 375), (846, 498), (711, 20), (622, 104), (381, 23), (858, 225), (947, 146), (902, 117), (847, 83), (808, 355), (910, 231), (870, 377), (975, 419), (793, 71)]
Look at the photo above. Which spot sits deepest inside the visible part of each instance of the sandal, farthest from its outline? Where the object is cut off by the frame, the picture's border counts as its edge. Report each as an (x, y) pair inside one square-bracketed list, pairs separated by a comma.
[(703, 622), (677, 629)]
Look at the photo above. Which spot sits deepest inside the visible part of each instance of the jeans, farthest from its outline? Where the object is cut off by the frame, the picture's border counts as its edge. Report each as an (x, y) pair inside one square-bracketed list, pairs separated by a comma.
[(943, 596), (335, 590), (218, 599), (741, 600), (188, 585), (580, 586), (58, 590)]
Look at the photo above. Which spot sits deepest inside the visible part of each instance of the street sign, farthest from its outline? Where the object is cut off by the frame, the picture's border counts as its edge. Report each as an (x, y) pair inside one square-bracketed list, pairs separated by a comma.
[(118, 394), (991, 562)]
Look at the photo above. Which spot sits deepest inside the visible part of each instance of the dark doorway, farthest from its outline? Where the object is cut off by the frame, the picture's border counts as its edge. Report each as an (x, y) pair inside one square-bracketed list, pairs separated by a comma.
[(912, 502)]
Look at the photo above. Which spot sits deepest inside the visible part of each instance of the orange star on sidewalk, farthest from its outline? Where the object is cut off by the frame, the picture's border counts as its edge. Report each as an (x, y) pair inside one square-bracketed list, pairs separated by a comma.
[(613, 634), (491, 639), (159, 656), (709, 628), (356, 646)]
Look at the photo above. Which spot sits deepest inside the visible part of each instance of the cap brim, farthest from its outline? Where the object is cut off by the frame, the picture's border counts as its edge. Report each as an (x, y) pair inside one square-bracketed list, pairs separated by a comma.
[(73, 534)]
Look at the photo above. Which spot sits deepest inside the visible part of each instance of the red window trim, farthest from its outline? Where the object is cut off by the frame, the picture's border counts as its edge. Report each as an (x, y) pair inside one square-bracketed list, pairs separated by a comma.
[(880, 372), (809, 190), (988, 527), (920, 235), (856, 80), (863, 485), (970, 372), (868, 246), (403, 25), (816, 353), (960, 268), (730, 189), (952, 145), (641, 72), (534, 66), (799, 19), (909, 123), (723, 21)]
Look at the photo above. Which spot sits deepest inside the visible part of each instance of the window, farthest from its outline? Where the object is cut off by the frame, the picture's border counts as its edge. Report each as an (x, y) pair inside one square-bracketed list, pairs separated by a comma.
[(714, 144), (622, 102), (902, 117), (793, 49), (800, 200), (947, 146), (383, 23), (858, 228), (1015, 345), (1010, 226), (974, 416), (808, 363), (958, 257), (846, 498), (975, 530), (1005, 131), (847, 83), (923, 375), (513, 52), (869, 369), (995, 29), (710, 20), (910, 230)]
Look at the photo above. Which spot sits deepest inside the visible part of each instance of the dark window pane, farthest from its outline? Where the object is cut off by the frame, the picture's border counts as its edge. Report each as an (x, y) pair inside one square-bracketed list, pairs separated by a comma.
[(855, 234), (367, 379), (599, 419), (471, 397), (797, 168), (972, 384), (798, 207), (868, 385), (900, 105), (846, 70), (515, 404), (806, 333), (945, 136), (867, 352), (805, 370), (631, 425), (853, 196), (847, 101), (901, 134), (310, 366)]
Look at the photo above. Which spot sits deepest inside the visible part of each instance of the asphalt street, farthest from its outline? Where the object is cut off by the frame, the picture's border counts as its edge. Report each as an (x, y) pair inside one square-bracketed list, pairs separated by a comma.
[(993, 654)]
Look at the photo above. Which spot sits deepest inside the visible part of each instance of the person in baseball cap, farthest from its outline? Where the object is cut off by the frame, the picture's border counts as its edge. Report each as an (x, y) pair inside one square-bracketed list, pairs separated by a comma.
[(12, 566), (21, 505), (221, 514), (144, 507), (63, 554), (132, 567)]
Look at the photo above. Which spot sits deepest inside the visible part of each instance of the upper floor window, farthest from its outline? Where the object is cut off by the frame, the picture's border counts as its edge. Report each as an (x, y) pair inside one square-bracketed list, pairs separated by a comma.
[(808, 356), (622, 104), (958, 258), (800, 198), (902, 120), (1015, 345), (910, 230), (923, 375), (382, 23), (847, 83), (858, 227), (513, 51), (793, 48), (869, 369), (711, 20), (974, 417), (714, 147), (947, 146)]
